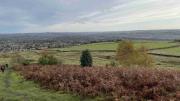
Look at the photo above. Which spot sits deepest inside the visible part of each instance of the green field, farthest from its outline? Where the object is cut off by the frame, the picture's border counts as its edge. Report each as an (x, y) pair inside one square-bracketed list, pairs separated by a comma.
[(170, 51), (113, 45), (100, 53)]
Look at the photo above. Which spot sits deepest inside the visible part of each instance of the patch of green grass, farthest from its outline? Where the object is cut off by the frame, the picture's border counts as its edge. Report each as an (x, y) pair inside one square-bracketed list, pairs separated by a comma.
[(14, 88), (170, 51), (154, 44), (93, 46), (4, 60), (113, 45), (167, 61), (99, 58)]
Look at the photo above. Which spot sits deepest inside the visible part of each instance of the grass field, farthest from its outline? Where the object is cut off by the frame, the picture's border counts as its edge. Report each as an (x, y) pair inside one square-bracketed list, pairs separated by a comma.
[(100, 58), (100, 53), (170, 51), (113, 45)]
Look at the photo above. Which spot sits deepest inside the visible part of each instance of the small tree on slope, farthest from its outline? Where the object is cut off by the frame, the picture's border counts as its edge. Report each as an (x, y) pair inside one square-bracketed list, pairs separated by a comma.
[(127, 55), (86, 59)]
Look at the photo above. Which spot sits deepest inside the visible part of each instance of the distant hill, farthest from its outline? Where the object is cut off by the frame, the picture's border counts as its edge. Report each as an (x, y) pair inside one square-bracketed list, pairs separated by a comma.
[(26, 41), (111, 35)]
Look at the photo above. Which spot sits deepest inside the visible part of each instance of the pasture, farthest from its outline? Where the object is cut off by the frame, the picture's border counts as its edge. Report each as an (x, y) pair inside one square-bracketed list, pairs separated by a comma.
[(104, 52), (113, 45)]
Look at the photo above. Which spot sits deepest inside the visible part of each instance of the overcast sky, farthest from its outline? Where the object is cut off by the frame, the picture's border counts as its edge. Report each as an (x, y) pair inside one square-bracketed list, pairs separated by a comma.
[(88, 15)]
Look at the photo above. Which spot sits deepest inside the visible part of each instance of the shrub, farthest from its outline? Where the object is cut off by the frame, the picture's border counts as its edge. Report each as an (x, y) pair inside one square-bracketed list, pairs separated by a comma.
[(127, 55), (113, 63), (26, 62), (48, 60), (17, 59), (52, 60), (86, 59)]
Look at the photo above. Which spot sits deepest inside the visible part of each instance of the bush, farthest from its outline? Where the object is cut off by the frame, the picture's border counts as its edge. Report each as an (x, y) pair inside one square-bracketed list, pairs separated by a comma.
[(26, 62), (86, 59), (113, 63), (127, 55), (17, 59), (48, 60), (52, 60)]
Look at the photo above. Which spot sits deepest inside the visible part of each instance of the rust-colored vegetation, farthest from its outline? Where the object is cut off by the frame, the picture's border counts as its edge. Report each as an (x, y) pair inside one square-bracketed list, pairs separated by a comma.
[(110, 83)]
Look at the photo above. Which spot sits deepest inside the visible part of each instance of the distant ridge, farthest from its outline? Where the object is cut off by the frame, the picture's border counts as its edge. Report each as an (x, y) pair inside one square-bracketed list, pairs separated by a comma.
[(170, 34), (155, 30)]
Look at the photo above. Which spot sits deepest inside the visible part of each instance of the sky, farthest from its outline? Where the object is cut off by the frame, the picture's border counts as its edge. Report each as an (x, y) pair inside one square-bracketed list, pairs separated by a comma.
[(88, 15)]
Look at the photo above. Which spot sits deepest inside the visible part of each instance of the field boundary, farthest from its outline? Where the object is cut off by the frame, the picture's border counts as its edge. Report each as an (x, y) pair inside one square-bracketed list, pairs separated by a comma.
[(156, 54), (165, 55), (162, 48), (90, 50)]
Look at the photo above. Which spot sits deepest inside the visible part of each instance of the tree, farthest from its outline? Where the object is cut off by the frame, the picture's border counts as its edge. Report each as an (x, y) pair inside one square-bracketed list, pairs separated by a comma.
[(127, 55), (144, 59), (86, 59)]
